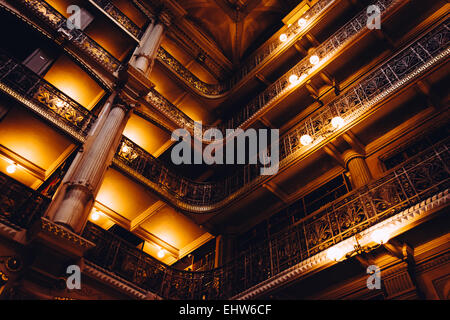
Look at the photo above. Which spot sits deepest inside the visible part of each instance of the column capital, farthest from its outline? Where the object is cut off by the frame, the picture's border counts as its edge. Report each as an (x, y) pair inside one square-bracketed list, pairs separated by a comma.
[(351, 154), (165, 18), (81, 185), (123, 102)]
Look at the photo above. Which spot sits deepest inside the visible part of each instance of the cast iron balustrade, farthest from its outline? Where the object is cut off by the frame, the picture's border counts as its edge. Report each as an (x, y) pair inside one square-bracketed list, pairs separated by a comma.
[(14, 75), (267, 51), (20, 205), (356, 101), (59, 24), (325, 51), (404, 186), (119, 17)]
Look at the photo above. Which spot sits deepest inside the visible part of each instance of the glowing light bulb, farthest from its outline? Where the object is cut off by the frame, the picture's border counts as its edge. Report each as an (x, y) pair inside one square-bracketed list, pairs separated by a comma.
[(161, 253), (293, 79), (337, 122), (335, 253), (59, 103), (380, 236), (125, 149), (95, 216), (305, 139), (283, 37), (301, 22), (11, 168), (314, 60)]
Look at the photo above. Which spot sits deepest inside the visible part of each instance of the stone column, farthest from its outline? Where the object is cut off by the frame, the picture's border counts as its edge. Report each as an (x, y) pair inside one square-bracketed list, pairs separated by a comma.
[(357, 166), (81, 189), (147, 52)]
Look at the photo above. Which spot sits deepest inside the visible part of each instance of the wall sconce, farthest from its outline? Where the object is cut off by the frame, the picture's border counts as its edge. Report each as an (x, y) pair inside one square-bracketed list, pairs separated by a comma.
[(95, 215), (161, 253), (379, 236), (293, 79), (301, 22), (306, 139), (314, 60), (337, 122), (11, 168)]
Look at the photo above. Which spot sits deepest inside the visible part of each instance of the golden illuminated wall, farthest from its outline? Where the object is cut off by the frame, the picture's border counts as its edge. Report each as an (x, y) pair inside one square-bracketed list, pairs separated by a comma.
[(74, 81), (36, 147)]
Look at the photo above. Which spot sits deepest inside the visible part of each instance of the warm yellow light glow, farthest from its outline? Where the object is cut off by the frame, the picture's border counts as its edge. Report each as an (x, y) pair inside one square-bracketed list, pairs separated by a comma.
[(11, 168), (125, 149), (59, 103), (335, 253), (305, 139), (283, 37), (314, 60), (337, 122), (380, 236), (301, 22), (95, 216), (293, 79), (161, 253)]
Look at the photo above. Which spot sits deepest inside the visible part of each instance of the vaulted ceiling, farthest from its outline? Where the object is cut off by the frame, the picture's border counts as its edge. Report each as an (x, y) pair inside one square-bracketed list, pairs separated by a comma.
[(237, 26)]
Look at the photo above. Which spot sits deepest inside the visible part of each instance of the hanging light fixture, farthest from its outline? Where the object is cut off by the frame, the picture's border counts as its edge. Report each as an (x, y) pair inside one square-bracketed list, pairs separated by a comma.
[(335, 253), (380, 236)]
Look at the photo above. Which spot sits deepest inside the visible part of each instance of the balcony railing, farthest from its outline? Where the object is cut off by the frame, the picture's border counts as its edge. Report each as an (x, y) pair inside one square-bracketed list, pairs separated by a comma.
[(20, 205), (324, 52), (262, 55), (59, 24), (356, 101), (14, 75), (418, 179), (119, 17)]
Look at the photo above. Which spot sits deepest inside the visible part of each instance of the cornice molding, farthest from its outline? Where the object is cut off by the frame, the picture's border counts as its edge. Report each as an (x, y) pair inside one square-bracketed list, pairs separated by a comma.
[(115, 281)]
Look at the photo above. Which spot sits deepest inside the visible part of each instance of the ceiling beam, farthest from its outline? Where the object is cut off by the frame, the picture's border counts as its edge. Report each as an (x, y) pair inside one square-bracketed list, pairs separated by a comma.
[(354, 142), (333, 152), (140, 219), (280, 194)]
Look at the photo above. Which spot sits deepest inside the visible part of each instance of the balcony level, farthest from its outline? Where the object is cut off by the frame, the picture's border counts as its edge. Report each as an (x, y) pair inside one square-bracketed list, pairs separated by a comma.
[(387, 204)]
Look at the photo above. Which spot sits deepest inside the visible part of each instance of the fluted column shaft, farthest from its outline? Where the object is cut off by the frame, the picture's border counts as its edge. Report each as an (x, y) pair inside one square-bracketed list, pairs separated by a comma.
[(83, 185), (359, 171), (146, 53), (146, 56)]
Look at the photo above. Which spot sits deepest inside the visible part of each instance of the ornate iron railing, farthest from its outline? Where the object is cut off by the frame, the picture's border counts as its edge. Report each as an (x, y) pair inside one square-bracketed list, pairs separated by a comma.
[(119, 17), (357, 100), (20, 205), (191, 79), (59, 23), (324, 52), (408, 184), (264, 53), (25, 82)]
